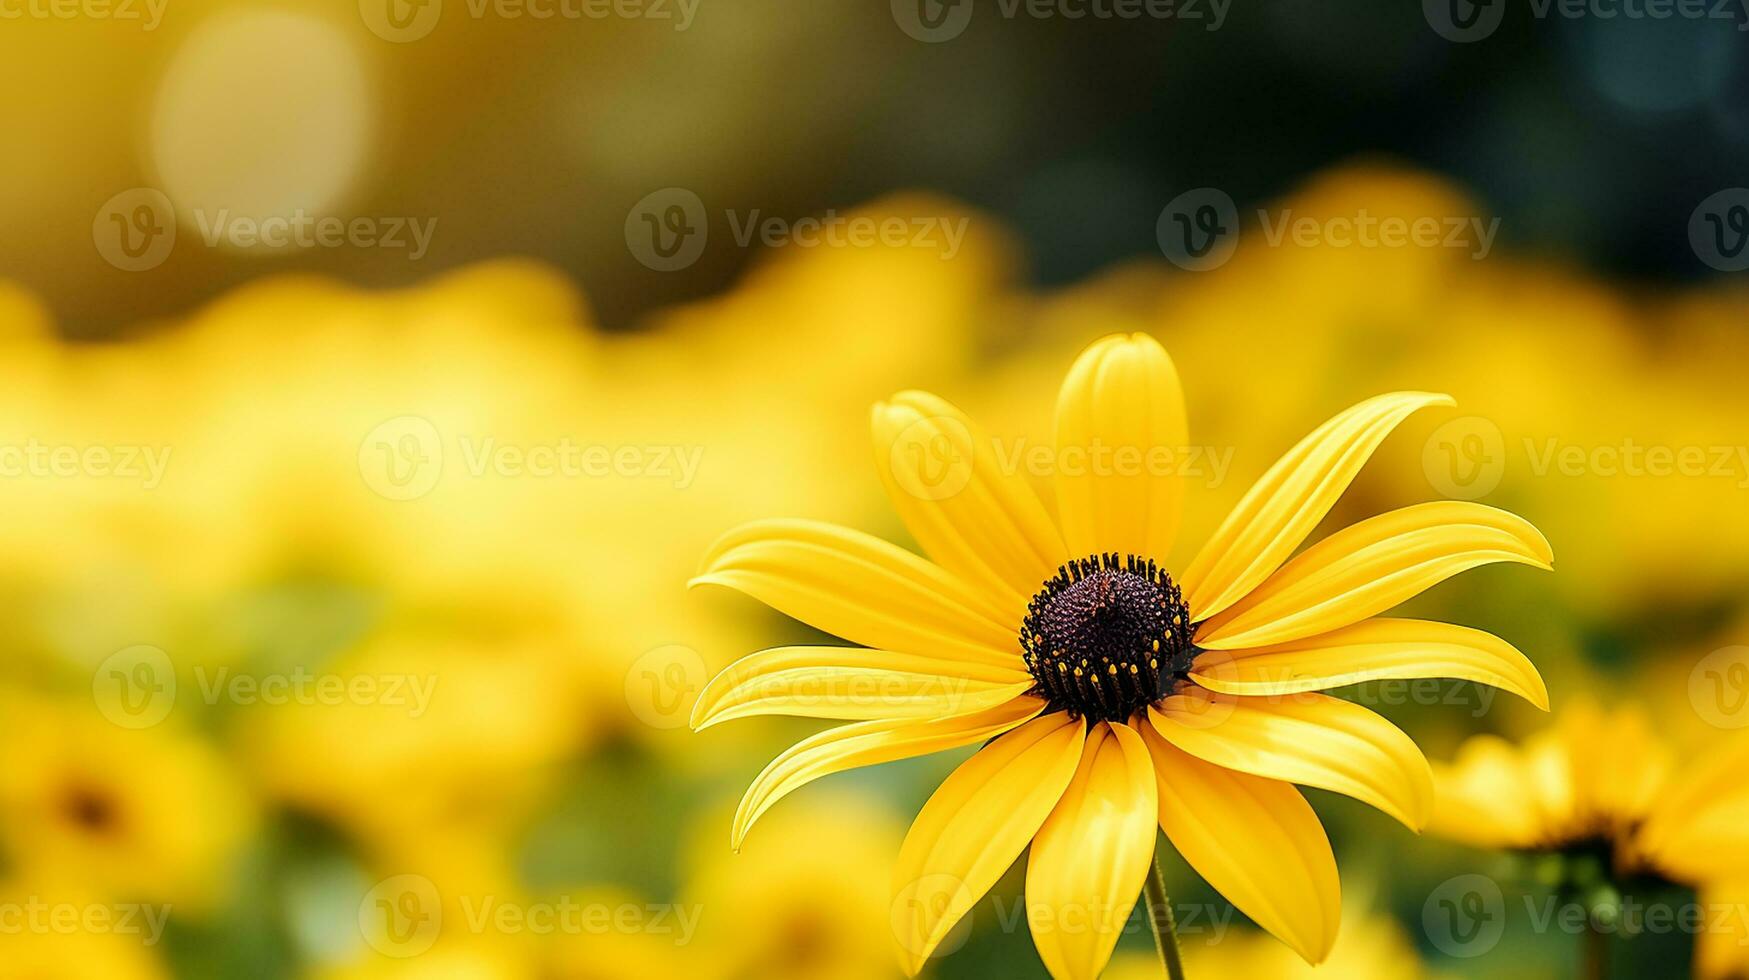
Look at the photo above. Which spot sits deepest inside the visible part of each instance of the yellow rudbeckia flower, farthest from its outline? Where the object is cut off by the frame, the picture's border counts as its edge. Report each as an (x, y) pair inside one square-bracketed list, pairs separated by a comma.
[(1115, 695), (1604, 800)]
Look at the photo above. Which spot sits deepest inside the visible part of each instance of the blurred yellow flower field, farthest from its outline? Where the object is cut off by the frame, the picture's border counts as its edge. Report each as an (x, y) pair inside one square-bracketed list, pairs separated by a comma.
[(347, 633)]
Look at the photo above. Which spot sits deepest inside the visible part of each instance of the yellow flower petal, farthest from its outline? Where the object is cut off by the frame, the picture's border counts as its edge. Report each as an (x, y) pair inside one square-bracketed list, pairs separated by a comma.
[(1311, 739), (866, 743), (1721, 948), (949, 486), (1256, 841), (853, 683), (1092, 855), (1376, 649), (1699, 829), (861, 588), (976, 824), (1289, 500), (1370, 567), (1483, 797), (1120, 428)]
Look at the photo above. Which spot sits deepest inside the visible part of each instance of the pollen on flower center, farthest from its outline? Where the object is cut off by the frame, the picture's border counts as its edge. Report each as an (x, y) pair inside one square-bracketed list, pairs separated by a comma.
[(1106, 636)]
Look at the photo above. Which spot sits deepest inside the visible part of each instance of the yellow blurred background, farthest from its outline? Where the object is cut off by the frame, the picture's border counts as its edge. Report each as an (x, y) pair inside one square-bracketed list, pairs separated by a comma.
[(342, 589)]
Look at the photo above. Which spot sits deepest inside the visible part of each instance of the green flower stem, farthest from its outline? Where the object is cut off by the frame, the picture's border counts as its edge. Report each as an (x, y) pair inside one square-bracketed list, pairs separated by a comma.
[(1165, 925)]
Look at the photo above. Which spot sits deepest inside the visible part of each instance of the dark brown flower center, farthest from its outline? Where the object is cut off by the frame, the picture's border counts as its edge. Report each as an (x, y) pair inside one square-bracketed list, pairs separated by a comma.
[(1107, 636)]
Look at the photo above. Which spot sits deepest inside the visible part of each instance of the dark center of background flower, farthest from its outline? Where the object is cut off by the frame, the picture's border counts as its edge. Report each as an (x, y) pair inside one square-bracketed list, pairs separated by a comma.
[(89, 809), (1106, 636)]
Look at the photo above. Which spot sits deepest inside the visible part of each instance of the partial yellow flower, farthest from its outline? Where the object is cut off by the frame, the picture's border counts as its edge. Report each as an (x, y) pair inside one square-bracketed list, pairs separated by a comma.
[(1593, 775), (1608, 783), (145, 815), (1602, 778), (1120, 696)]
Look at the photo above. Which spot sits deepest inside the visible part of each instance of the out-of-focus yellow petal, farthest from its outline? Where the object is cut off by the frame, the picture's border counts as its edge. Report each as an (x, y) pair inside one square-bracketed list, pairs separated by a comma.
[(1376, 649), (1313, 739), (974, 517), (1699, 828), (1289, 500), (861, 588), (1618, 764), (867, 743), (1483, 797), (1090, 858), (853, 684), (1370, 567), (1721, 950), (1120, 427), (975, 825), (1256, 841)]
